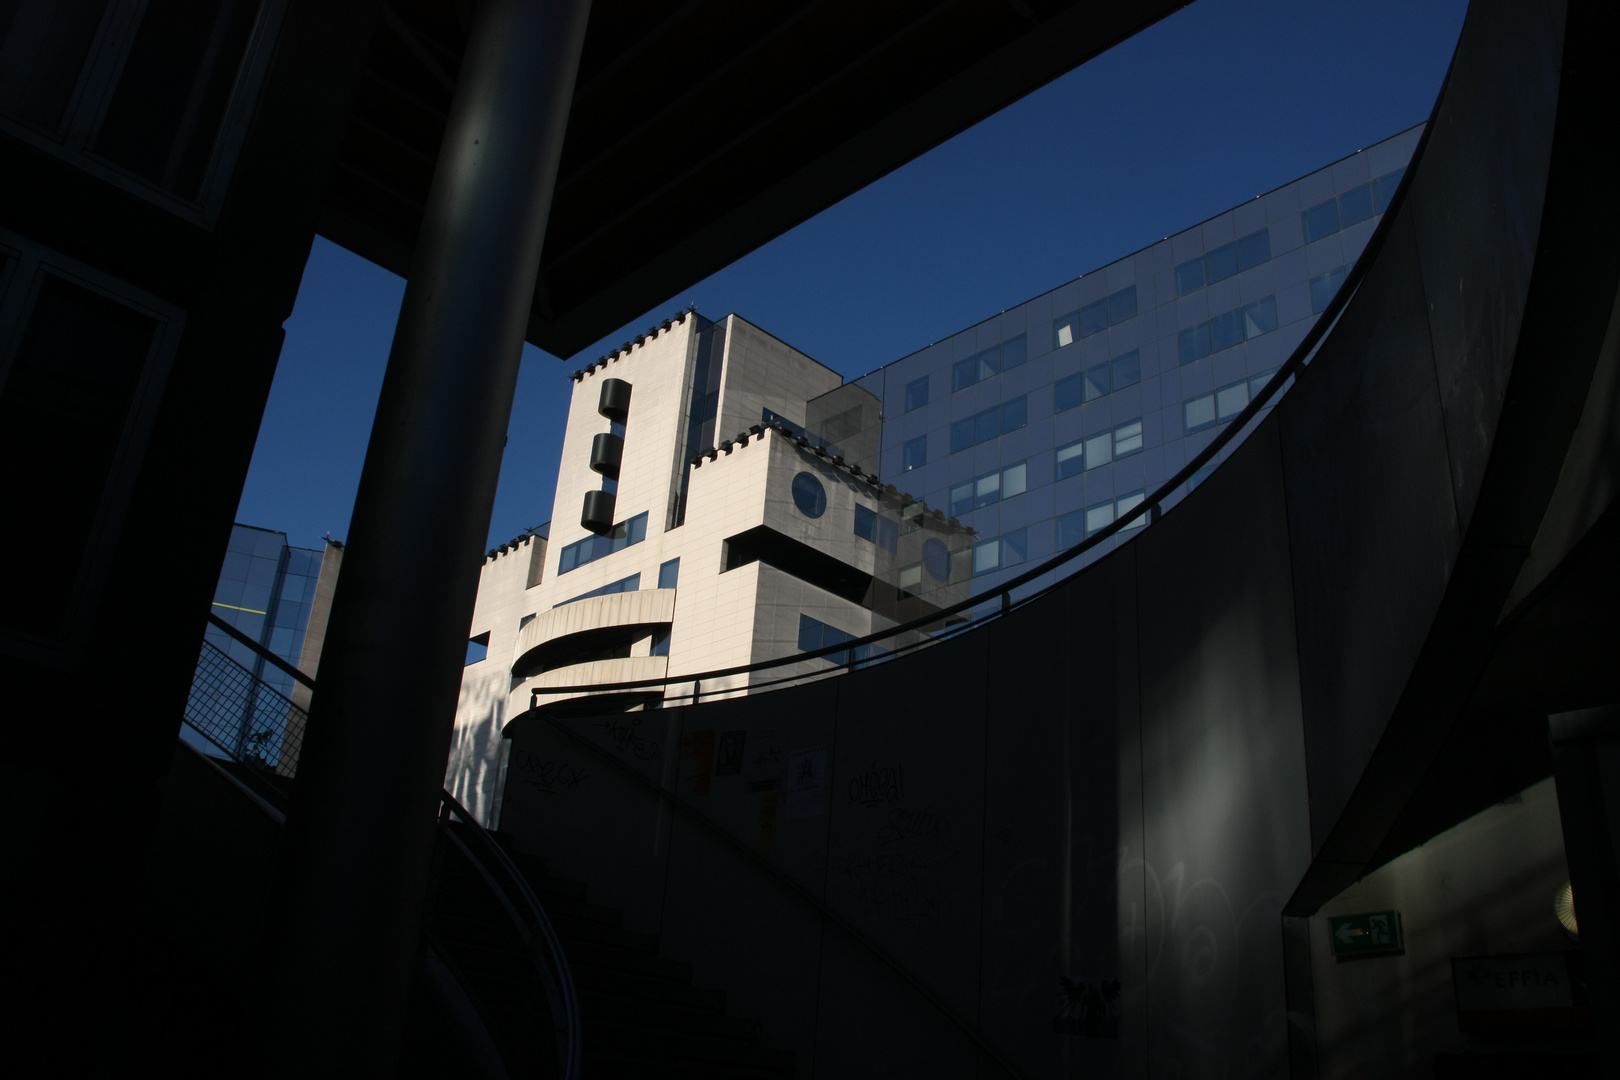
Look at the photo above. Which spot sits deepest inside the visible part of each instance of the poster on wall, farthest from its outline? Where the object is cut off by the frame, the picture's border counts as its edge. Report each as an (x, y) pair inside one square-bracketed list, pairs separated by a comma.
[(807, 782)]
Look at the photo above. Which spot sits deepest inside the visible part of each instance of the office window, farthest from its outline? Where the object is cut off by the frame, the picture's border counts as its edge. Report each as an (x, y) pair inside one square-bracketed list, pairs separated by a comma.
[(660, 643), (914, 454), (526, 620), (916, 393), (1194, 343), (1015, 413), (1190, 276), (625, 534), (623, 585), (815, 634), (1260, 317), (1068, 392), (1014, 480), (1254, 249), (983, 364), (986, 556), (1094, 318), (909, 580), (1321, 220), (936, 558), (961, 497), (1258, 382), (1125, 504), (1096, 382), (1065, 330), (1014, 547), (1356, 205), (882, 531), (1384, 188), (1122, 306), (1225, 330), (1221, 263), (1324, 287), (669, 573), (1127, 368), (1128, 438), (1014, 351), (477, 648), (988, 489), (1099, 450), (987, 425), (1071, 529), (1198, 413), (1230, 400), (1099, 517), (963, 434), (911, 515), (1071, 459)]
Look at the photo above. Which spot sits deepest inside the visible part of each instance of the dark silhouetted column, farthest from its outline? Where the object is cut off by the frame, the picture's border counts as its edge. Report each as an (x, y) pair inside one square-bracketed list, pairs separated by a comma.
[(360, 835)]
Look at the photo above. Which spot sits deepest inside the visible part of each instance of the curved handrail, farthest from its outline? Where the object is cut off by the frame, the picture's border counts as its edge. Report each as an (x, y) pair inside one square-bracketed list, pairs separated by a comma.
[(1149, 509), (553, 968)]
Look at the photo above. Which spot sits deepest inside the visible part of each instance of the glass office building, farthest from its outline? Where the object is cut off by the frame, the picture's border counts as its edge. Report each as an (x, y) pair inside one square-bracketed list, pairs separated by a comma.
[(1036, 427)]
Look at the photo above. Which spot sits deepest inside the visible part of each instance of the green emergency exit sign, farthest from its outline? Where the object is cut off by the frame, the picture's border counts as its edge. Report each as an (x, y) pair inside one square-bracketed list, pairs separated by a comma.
[(1376, 933)]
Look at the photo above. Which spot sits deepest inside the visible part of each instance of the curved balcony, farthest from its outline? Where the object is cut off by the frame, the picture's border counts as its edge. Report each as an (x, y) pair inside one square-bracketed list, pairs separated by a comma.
[(608, 672), (547, 642)]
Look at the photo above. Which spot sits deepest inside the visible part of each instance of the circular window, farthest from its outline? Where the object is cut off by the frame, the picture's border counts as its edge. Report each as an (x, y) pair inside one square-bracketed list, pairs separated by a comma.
[(809, 496), (936, 559)]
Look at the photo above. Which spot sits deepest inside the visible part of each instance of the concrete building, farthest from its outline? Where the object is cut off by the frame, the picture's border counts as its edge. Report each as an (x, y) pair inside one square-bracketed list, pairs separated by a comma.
[(752, 504)]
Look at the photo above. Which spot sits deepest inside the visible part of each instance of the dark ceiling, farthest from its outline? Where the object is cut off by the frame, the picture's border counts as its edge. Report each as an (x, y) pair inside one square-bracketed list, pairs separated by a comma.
[(702, 130)]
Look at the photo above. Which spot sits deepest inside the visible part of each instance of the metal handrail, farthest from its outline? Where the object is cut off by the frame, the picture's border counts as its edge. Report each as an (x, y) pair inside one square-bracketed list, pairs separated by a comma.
[(555, 974)]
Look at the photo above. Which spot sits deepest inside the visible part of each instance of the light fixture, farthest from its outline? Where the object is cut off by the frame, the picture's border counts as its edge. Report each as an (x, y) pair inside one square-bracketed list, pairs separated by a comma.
[(1564, 908)]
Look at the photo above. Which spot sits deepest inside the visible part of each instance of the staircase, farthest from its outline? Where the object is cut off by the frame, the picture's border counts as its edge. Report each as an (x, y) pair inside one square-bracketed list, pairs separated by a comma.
[(640, 1013)]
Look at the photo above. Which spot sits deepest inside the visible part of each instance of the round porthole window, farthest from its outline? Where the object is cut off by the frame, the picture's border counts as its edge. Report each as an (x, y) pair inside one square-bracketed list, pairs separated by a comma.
[(809, 496), (936, 559)]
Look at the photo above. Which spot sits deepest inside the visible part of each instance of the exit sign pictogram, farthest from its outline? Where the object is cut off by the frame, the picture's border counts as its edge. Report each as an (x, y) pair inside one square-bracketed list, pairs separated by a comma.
[(1375, 933)]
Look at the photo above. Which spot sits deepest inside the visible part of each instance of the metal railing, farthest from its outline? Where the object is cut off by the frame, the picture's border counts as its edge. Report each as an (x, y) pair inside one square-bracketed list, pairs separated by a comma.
[(257, 726)]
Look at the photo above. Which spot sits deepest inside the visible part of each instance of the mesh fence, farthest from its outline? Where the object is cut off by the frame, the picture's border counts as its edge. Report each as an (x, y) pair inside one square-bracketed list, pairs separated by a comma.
[(254, 723)]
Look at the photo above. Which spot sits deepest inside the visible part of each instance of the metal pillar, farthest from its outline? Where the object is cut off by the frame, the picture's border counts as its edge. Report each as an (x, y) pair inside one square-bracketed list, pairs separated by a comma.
[(360, 835)]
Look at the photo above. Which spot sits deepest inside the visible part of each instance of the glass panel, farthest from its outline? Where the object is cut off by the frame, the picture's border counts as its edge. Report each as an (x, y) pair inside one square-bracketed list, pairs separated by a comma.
[(888, 533), (964, 373), (989, 362), (1229, 400), (1065, 329), (916, 393), (1014, 351), (1324, 287), (660, 644), (1254, 249), (1093, 318), (1127, 438), (1014, 547), (1221, 263), (1384, 188), (477, 648), (809, 633), (1096, 382), (1258, 382), (910, 579), (988, 425), (1099, 450), (915, 453), (1099, 517), (986, 556), (1127, 368), (1225, 330), (1260, 317), (1355, 205), (1122, 306), (865, 523), (1194, 343), (962, 435), (1068, 392), (43, 47), (961, 499), (1070, 459), (1013, 480), (1321, 220), (986, 490), (1199, 412), (1127, 503), (1071, 529), (1015, 413), (1189, 277)]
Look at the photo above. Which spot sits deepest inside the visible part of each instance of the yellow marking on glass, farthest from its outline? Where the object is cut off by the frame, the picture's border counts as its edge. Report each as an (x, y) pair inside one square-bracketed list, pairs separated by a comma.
[(233, 607)]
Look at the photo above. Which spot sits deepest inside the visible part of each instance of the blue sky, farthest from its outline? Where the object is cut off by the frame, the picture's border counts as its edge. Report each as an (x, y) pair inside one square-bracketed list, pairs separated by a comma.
[(1220, 102)]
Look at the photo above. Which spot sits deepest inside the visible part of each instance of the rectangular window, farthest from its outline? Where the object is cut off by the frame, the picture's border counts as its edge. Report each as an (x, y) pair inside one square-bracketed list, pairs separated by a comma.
[(962, 435), (1194, 342), (1071, 529), (1068, 392), (1230, 400), (815, 634), (910, 580), (1099, 517), (1015, 413), (1225, 330), (1125, 504), (1258, 382), (1260, 317), (1014, 547), (623, 585), (1355, 205), (1321, 220), (1013, 480), (1254, 249), (882, 531), (1199, 412), (660, 644), (961, 499), (1190, 277), (986, 556), (1384, 188), (477, 648), (527, 619), (987, 490), (1128, 438), (1127, 368), (964, 373), (1325, 287), (1221, 263), (914, 454), (1065, 330), (916, 393), (1099, 450), (669, 573), (625, 534), (1122, 306), (1014, 351), (987, 425), (1094, 318), (1096, 382), (1070, 459)]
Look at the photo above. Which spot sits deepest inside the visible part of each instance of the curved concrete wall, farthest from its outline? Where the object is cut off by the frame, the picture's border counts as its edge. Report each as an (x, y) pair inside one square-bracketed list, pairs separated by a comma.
[(1147, 777)]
